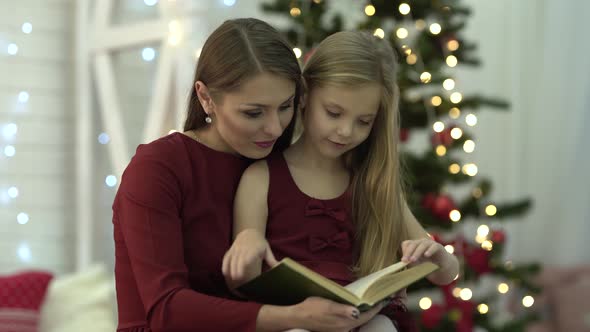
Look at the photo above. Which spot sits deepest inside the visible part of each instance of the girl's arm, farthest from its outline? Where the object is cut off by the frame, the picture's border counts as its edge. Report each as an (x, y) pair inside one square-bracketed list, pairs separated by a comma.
[(421, 246), (243, 261)]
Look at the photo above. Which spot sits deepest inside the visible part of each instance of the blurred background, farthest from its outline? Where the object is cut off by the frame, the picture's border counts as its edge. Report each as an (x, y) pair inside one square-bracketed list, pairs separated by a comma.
[(495, 107)]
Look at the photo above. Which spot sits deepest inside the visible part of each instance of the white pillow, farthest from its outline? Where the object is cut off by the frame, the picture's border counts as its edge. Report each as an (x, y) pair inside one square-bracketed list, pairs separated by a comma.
[(84, 301)]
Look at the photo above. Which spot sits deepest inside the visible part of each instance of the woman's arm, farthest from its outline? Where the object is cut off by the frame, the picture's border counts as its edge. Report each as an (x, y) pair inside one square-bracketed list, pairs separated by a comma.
[(421, 245), (243, 261), (150, 261)]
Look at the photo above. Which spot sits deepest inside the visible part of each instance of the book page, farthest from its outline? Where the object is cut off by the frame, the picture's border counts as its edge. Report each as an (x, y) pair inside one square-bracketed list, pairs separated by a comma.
[(392, 283), (360, 286)]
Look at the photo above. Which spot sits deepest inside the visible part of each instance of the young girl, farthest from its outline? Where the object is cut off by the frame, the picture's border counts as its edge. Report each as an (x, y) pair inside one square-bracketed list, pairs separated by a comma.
[(333, 200)]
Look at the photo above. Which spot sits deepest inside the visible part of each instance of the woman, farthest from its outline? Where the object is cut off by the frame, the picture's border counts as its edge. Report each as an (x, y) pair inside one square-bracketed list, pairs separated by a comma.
[(172, 214)]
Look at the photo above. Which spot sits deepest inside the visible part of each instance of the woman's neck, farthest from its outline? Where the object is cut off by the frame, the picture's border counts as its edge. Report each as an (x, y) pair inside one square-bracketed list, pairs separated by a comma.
[(209, 136)]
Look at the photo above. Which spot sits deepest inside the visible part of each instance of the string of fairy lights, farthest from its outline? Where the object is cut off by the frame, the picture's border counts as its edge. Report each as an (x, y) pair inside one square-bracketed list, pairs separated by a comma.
[(11, 47), (11, 192)]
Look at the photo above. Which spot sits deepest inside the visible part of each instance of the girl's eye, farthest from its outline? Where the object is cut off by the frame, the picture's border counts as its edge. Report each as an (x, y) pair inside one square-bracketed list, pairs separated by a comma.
[(333, 114), (365, 123), (252, 114)]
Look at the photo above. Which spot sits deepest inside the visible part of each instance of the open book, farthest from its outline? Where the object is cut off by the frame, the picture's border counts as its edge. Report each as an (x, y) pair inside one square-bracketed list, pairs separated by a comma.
[(289, 282)]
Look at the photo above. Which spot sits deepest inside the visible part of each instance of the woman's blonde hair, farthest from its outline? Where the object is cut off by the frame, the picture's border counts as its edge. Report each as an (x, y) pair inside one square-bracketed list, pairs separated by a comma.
[(349, 59)]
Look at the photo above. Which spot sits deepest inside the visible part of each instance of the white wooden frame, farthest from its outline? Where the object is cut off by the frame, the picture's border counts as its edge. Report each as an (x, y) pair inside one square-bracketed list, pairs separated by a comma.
[(96, 40)]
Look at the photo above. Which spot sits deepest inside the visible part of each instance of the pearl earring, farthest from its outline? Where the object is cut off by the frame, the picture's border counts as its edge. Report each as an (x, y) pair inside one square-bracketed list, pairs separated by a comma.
[(208, 119)]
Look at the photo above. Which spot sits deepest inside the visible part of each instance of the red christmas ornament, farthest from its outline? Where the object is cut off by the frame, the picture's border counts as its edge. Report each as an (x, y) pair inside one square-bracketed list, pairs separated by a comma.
[(478, 259), (465, 321), (432, 316), (440, 205), (447, 291), (458, 311), (498, 237), (461, 312), (428, 200), (442, 138), (443, 205), (404, 134)]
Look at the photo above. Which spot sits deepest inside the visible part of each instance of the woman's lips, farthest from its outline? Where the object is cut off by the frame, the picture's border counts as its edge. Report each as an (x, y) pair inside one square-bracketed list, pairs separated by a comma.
[(265, 144)]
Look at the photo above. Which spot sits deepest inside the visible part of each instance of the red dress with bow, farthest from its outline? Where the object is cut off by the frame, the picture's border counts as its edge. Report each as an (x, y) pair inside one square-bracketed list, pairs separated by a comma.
[(317, 233)]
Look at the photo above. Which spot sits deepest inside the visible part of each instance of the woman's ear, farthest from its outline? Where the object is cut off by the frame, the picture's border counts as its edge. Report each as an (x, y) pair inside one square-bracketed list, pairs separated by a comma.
[(204, 97)]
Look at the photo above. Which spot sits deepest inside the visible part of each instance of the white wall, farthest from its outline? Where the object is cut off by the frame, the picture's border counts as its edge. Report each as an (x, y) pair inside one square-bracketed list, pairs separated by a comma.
[(42, 167), (535, 55)]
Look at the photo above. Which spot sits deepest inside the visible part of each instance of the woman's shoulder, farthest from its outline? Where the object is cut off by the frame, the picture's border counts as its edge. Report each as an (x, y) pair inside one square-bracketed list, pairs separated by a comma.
[(165, 158), (159, 170), (169, 148)]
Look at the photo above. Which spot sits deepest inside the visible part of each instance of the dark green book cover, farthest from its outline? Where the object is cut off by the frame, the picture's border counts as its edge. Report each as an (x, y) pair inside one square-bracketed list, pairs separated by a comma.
[(285, 285), (290, 283)]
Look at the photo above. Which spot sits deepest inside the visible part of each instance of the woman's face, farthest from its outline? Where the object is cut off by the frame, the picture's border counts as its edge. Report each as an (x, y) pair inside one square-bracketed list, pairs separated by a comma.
[(251, 119)]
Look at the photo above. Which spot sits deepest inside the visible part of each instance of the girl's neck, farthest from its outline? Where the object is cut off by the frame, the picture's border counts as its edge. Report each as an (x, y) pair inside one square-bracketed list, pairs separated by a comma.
[(303, 152)]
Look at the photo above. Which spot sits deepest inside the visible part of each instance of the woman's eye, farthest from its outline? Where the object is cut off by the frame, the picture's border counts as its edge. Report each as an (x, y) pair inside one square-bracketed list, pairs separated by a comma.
[(252, 114)]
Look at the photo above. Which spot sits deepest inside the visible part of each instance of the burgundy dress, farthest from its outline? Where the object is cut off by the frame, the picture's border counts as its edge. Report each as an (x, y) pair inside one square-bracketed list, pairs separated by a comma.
[(172, 221), (317, 233)]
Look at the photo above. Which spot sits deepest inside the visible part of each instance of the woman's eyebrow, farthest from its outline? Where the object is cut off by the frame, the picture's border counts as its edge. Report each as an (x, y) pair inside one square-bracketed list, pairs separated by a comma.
[(265, 106)]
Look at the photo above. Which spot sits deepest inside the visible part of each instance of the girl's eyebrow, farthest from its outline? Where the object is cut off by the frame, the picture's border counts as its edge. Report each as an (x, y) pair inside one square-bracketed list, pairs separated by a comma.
[(340, 108), (331, 104), (266, 106)]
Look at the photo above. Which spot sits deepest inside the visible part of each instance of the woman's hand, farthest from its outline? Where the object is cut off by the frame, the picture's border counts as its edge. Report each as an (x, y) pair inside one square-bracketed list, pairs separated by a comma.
[(314, 314), (318, 314), (243, 261)]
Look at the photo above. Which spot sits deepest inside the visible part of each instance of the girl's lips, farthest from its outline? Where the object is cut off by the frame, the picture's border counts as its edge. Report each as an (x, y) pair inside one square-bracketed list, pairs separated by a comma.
[(340, 145)]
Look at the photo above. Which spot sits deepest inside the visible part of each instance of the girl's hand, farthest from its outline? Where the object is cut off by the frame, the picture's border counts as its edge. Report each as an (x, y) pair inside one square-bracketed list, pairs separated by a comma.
[(243, 261), (421, 249)]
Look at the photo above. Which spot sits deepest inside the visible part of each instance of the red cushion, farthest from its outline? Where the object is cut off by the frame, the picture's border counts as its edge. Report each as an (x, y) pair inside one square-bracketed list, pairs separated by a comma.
[(21, 297)]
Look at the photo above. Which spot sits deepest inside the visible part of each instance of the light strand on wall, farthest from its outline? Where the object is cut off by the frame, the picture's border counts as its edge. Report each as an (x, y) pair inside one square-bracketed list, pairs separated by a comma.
[(9, 135)]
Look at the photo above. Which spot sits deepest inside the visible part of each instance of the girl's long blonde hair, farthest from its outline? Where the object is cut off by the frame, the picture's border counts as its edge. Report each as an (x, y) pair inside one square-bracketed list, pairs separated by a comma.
[(349, 59)]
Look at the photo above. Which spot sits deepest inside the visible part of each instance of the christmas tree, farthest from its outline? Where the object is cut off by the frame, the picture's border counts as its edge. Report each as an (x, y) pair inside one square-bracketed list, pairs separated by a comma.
[(427, 35)]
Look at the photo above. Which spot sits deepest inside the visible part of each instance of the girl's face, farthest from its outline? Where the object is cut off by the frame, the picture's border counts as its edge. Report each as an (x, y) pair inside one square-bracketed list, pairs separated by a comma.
[(338, 119), (250, 120)]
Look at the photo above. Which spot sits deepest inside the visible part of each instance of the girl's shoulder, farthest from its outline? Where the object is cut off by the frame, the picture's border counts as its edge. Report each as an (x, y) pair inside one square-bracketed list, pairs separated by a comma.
[(258, 170)]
